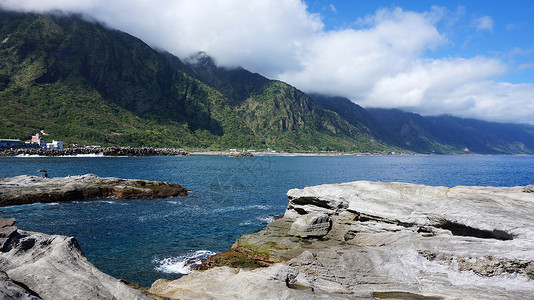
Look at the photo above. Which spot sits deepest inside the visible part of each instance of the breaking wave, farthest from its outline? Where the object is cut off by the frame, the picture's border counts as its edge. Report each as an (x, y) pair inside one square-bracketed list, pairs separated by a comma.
[(181, 264)]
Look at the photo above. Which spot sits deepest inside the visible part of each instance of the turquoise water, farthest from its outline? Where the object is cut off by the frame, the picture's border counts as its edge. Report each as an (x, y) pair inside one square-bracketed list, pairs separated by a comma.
[(146, 239)]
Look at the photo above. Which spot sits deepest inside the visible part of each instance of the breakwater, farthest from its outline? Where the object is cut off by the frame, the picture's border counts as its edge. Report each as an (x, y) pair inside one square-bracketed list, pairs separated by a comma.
[(107, 151)]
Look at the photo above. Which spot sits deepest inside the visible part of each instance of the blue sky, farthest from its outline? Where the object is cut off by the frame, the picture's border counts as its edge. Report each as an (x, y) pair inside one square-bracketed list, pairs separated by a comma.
[(472, 59), (509, 36)]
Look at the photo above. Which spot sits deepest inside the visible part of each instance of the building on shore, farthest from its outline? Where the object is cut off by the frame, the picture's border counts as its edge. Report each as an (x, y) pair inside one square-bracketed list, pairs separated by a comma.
[(38, 140), (10, 143), (54, 145)]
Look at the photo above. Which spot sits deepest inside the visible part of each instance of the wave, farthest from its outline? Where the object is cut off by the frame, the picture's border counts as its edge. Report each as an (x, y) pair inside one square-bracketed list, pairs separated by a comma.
[(101, 154), (181, 264), (259, 220), (29, 155), (240, 208), (266, 219)]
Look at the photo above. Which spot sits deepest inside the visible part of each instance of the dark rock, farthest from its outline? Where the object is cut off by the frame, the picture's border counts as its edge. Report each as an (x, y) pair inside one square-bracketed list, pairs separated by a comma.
[(8, 230), (30, 189), (107, 151)]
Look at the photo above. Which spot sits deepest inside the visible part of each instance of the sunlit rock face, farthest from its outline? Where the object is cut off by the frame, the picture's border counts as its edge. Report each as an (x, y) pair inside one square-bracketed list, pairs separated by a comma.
[(383, 240), (40, 266)]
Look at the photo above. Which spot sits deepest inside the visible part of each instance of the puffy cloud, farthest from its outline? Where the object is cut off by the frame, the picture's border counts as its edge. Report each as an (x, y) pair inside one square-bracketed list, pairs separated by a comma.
[(350, 62), (264, 36), (484, 23), (385, 60)]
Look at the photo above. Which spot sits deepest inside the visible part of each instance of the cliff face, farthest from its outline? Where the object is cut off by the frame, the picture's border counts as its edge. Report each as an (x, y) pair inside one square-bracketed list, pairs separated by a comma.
[(383, 240), (39, 266)]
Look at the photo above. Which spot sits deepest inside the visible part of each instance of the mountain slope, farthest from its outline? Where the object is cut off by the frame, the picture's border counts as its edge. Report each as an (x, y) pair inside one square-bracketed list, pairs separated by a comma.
[(441, 134), (84, 83), (280, 115), (448, 134)]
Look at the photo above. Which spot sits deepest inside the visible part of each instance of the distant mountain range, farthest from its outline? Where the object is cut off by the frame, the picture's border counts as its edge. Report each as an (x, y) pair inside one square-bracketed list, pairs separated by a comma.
[(83, 83)]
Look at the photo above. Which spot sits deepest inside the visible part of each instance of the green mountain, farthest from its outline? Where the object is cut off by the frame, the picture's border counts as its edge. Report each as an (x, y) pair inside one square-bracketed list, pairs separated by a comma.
[(441, 134), (83, 83)]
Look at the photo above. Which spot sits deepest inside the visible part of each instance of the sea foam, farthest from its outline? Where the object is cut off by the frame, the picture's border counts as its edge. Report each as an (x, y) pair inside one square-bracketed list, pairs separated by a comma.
[(181, 264)]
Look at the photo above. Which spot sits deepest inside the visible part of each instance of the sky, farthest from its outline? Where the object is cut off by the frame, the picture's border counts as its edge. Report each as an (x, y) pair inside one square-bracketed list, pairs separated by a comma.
[(470, 59)]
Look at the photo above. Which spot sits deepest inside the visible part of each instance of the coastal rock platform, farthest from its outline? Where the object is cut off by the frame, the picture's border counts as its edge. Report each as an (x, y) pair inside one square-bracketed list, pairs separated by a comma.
[(26, 189), (373, 240), (39, 266)]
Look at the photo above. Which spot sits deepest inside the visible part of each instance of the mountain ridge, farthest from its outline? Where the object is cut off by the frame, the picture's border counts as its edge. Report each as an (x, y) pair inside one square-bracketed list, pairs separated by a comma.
[(87, 84)]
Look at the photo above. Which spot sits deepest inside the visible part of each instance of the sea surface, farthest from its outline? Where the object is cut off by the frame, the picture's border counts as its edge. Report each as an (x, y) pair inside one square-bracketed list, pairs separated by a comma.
[(145, 239)]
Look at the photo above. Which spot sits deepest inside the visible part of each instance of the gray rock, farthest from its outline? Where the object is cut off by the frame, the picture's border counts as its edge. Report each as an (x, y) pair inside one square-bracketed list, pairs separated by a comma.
[(53, 267), (386, 240), (26, 189), (10, 290), (312, 225), (8, 230)]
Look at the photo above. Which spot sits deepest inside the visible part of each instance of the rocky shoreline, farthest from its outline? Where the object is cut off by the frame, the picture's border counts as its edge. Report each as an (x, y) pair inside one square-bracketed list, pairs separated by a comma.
[(357, 240), (39, 266), (26, 189), (372, 240), (107, 151)]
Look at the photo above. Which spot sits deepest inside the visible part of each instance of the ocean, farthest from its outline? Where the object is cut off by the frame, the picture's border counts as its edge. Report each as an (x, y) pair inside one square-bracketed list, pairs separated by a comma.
[(145, 239)]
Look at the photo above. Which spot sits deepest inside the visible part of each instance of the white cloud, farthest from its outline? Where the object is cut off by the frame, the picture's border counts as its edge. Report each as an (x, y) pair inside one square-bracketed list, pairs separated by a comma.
[(257, 34), (526, 66), (383, 62), (333, 8), (484, 24)]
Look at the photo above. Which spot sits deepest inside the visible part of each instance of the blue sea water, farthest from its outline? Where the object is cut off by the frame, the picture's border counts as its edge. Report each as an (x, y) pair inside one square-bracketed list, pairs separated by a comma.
[(145, 239)]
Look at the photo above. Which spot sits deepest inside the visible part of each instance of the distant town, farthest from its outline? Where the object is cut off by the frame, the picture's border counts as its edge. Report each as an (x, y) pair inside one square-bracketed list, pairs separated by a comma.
[(37, 141)]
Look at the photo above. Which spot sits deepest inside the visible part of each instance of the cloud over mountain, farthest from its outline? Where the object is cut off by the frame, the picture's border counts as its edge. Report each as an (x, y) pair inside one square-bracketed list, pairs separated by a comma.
[(385, 60)]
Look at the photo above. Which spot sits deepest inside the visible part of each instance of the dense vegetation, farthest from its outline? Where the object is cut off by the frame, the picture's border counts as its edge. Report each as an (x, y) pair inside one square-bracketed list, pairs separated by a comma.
[(440, 134), (83, 83)]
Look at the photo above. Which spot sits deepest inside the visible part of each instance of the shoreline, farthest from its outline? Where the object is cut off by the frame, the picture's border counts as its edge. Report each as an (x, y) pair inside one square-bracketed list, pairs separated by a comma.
[(106, 151)]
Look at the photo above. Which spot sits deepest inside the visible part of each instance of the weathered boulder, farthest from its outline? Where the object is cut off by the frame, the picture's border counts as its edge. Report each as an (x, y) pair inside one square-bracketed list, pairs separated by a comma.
[(384, 241), (26, 189), (44, 266)]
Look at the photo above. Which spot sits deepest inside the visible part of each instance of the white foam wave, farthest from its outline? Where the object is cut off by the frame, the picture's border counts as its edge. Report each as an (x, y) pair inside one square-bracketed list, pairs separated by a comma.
[(29, 155), (240, 208), (181, 264), (266, 219), (245, 223), (101, 154), (261, 219)]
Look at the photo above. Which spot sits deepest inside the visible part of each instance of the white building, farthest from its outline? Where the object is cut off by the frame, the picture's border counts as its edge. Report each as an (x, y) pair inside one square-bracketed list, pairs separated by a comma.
[(54, 145)]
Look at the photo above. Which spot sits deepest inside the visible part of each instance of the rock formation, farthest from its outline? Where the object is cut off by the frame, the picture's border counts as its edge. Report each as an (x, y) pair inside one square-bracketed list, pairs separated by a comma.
[(39, 266), (26, 189), (383, 241)]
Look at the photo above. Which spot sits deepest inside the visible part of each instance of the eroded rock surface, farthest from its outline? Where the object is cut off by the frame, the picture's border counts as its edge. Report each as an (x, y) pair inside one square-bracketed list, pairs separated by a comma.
[(40, 266), (383, 241), (26, 189)]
